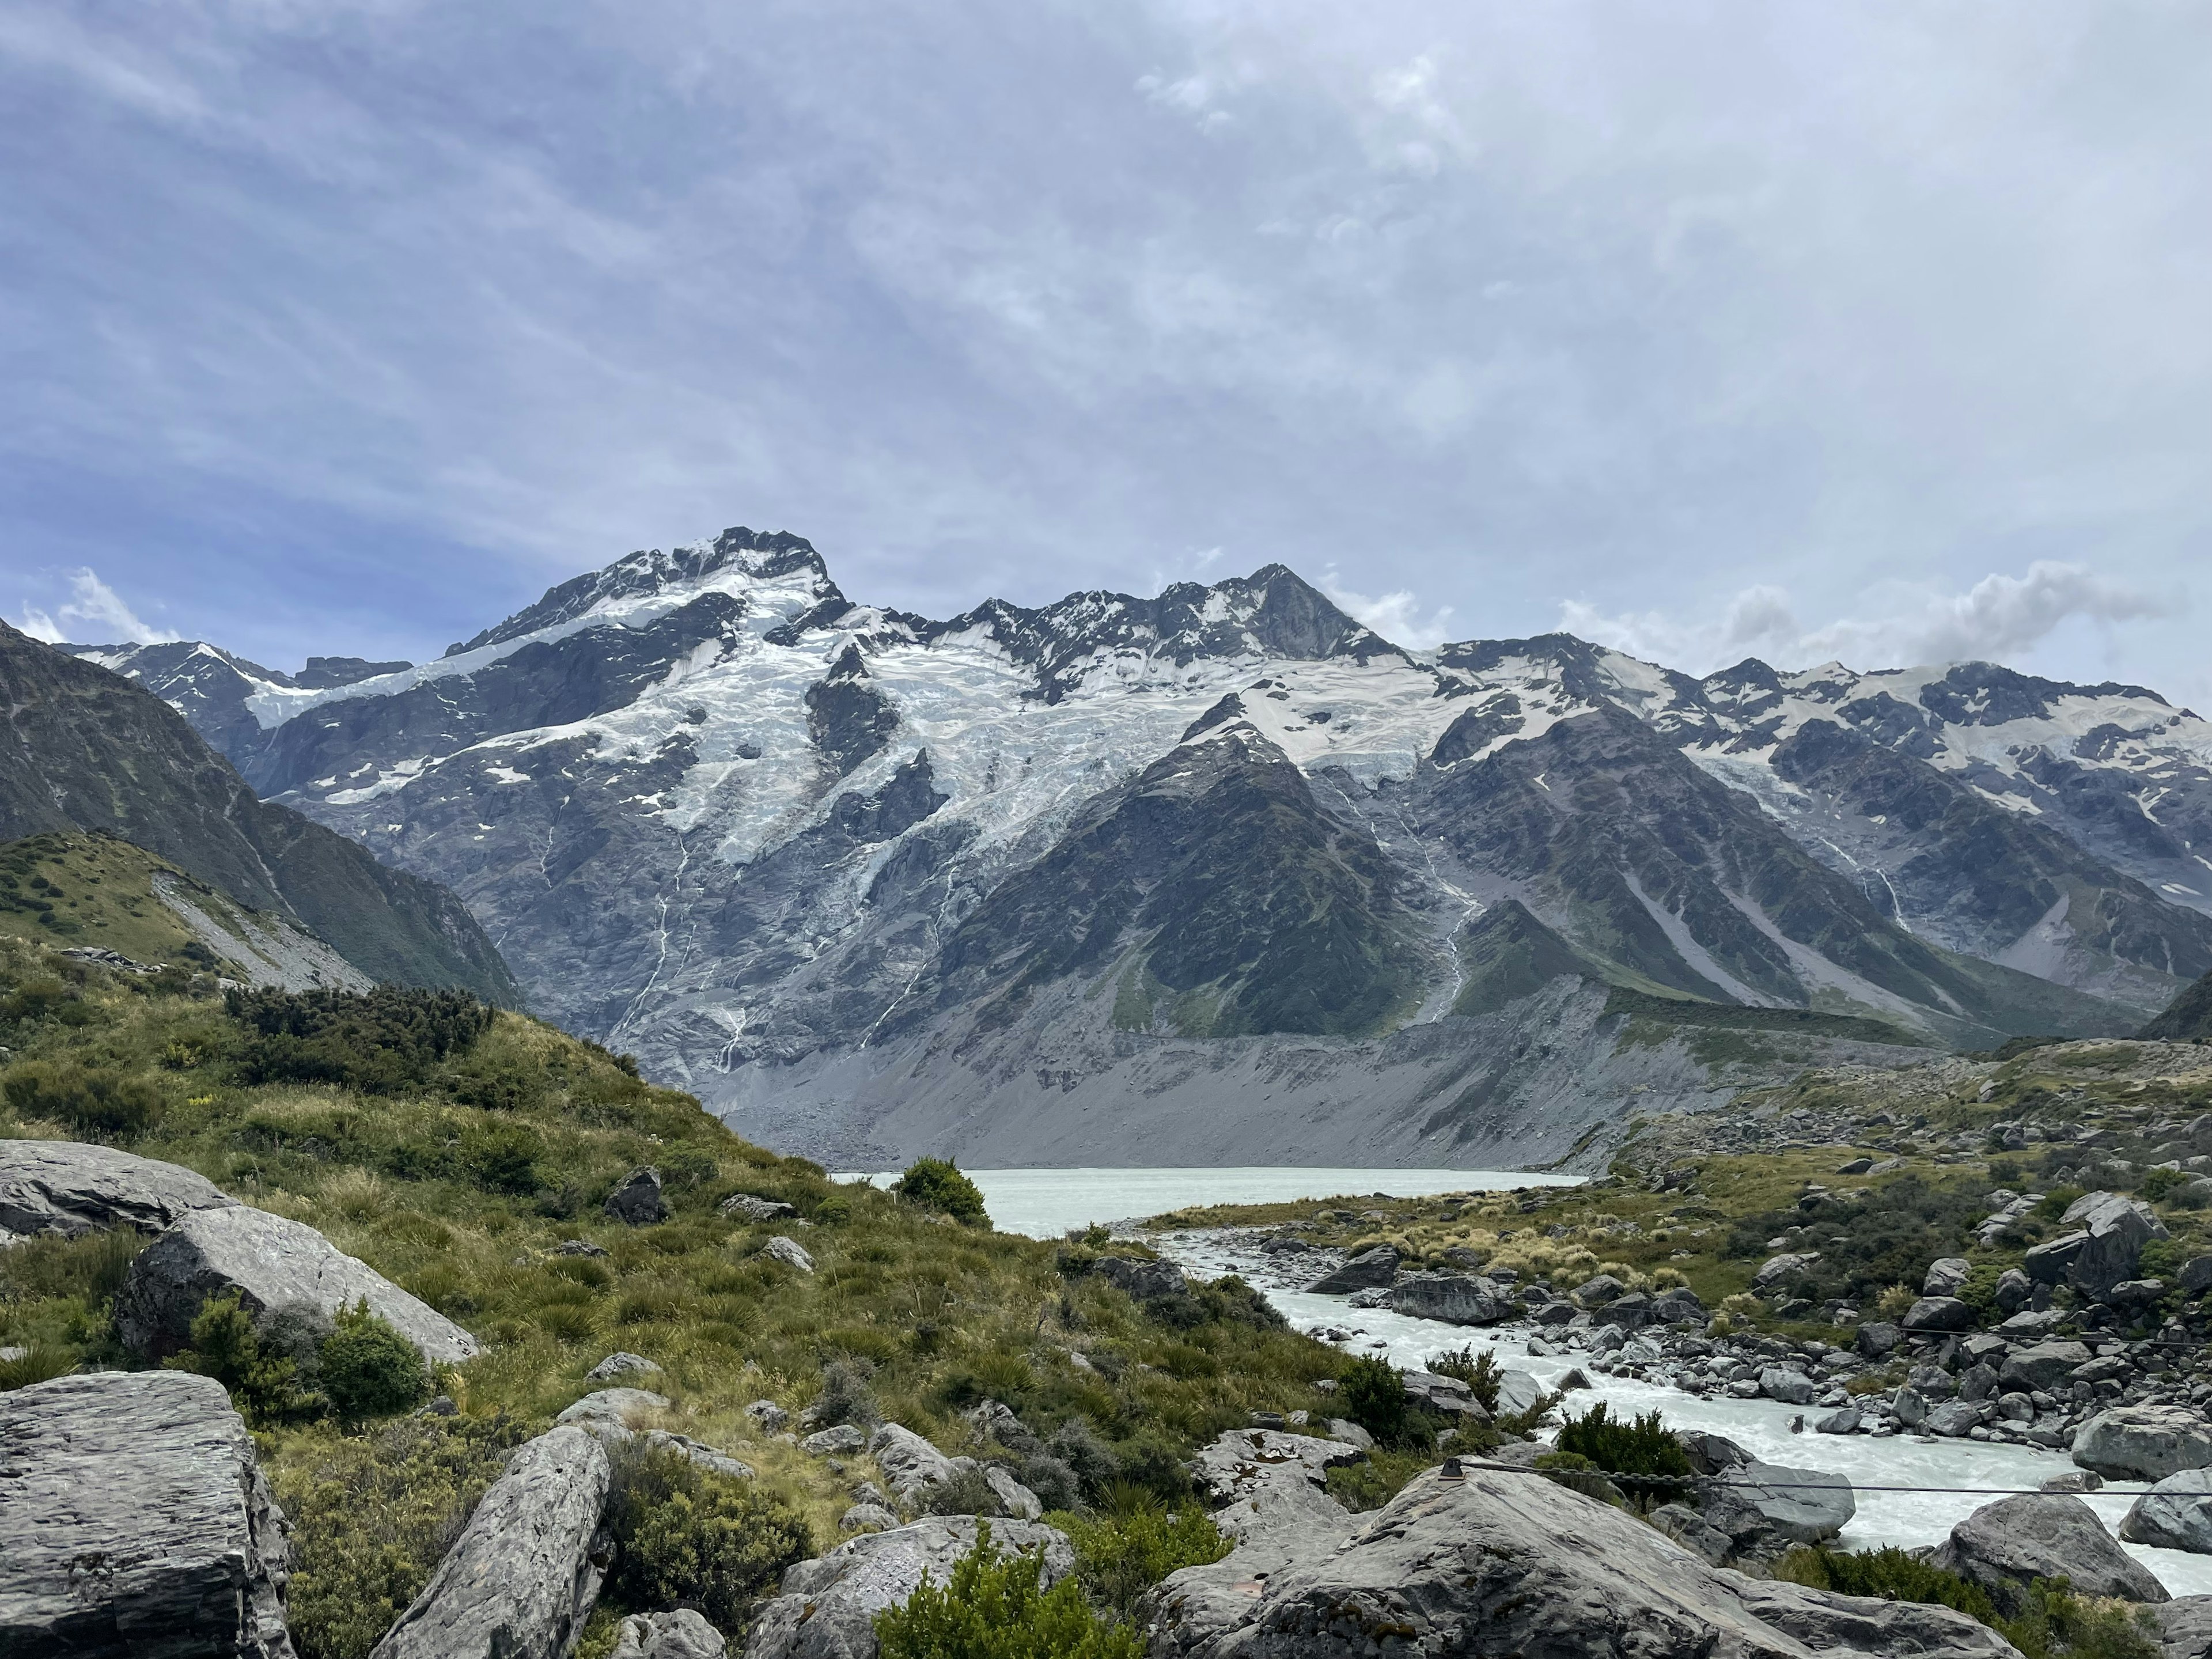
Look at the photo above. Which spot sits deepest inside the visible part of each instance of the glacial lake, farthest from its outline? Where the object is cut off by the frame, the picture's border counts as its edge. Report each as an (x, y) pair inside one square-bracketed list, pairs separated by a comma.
[(1046, 1203)]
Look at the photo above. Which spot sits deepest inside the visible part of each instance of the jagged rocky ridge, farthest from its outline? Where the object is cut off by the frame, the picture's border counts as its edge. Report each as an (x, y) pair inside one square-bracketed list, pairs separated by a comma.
[(81, 749), (1063, 877)]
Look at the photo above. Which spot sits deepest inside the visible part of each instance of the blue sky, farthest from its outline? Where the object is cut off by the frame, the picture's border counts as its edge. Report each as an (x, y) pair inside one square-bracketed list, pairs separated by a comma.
[(1882, 331)]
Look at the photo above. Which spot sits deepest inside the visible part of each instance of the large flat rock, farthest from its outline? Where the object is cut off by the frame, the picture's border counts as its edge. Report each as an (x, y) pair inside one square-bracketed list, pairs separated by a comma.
[(135, 1524), (826, 1607), (68, 1187), (523, 1576), (271, 1262), (2143, 1443), (1504, 1563)]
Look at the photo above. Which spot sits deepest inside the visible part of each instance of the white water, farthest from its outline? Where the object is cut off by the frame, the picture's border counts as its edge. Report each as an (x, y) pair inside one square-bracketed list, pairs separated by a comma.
[(1046, 1203), (1761, 1426)]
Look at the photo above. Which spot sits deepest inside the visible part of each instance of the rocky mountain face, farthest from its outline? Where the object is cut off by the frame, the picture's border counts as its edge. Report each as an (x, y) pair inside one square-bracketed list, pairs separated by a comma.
[(1223, 874), (84, 749)]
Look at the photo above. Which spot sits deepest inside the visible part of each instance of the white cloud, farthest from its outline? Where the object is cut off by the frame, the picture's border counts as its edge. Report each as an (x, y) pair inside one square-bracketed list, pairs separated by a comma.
[(1397, 615), (92, 602), (2000, 616)]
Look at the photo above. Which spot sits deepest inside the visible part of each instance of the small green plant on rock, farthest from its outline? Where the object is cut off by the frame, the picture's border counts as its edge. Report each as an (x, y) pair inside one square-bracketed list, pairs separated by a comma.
[(1479, 1371), (1642, 1448), (1137, 1541), (685, 1536)]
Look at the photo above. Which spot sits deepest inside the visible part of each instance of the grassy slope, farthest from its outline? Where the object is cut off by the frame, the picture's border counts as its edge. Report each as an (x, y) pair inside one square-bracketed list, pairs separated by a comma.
[(464, 1206), (94, 891)]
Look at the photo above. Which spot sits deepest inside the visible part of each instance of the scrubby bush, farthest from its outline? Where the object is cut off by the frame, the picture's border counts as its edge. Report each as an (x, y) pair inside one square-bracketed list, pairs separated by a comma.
[(1138, 1541), (995, 1607), (935, 1184), (1642, 1447), (36, 1363), (378, 1042), (1479, 1371), (1373, 1396), (373, 1514), (1890, 1573), (686, 1537), (225, 1346), (92, 1100), (2044, 1619), (368, 1368), (846, 1396)]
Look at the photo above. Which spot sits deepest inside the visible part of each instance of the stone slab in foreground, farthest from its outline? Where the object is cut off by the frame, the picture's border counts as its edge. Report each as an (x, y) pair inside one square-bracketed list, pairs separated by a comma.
[(135, 1524)]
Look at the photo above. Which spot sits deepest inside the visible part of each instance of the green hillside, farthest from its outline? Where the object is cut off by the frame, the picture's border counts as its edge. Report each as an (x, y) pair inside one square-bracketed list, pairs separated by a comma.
[(464, 1168)]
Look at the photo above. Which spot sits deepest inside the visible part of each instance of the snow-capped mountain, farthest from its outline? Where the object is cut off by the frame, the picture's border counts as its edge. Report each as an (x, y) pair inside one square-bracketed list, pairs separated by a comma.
[(1121, 879)]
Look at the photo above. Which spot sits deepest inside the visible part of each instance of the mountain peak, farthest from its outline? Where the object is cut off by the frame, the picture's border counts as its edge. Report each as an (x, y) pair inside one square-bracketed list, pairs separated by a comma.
[(649, 574)]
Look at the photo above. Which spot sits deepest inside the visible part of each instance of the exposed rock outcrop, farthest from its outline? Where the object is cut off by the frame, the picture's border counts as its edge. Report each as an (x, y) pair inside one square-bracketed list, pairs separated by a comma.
[(67, 1188), (1366, 1271), (2176, 1514), (1455, 1299), (636, 1201), (2102, 1250), (826, 1607), (2006, 1545), (134, 1520), (271, 1262), (2143, 1443), (1766, 1509), (1505, 1563), (1142, 1281), (683, 1634), (522, 1577)]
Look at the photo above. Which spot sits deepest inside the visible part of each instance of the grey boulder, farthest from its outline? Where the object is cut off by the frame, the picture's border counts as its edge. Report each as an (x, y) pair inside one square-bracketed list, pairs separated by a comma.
[(1142, 1281), (1946, 1276), (866, 1517), (64, 1187), (134, 1520), (521, 1578), (2176, 1514), (1270, 1487), (2143, 1443), (2184, 1627), (622, 1364), (1452, 1298), (2045, 1365), (750, 1207), (2110, 1232), (682, 1634), (272, 1262), (1790, 1387), (1518, 1393), (636, 1200), (1496, 1563), (789, 1252), (837, 1442), (2006, 1545), (1939, 1313), (1765, 1508), (1366, 1271), (910, 1464), (826, 1607)]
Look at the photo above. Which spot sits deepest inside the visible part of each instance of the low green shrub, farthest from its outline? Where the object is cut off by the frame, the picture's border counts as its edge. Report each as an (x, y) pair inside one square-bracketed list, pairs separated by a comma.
[(378, 1042), (1642, 1447), (92, 1100), (1479, 1371), (224, 1344), (373, 1514), (36, 1363), (2045, 1619), (1375, 1479), (686, 1537), (935, 1184), (1890, 1573), (1373, 1396), (995, 1607), (368, 1368), (1138, 1541)]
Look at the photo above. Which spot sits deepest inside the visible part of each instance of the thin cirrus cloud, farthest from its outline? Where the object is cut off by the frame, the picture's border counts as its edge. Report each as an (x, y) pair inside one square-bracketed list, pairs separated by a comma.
[(349, 328)]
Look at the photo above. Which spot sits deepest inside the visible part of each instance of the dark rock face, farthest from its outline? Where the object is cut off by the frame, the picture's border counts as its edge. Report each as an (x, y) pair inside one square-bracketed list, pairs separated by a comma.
[(827, 1606), (636, 1200), (1939, 1313), (272, 1263), (1455, 1299), (2176, 1514), (2006, 1545), (68, 1187), (523, 1575), (134, 1520), (2045, 1365), (1366, 1271), (1500, 1563), (87, 749), (2105, 1248), (1142, 1281)]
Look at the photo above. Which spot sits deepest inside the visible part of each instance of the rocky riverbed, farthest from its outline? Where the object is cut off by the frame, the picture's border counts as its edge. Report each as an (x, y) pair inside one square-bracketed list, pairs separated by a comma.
[(1946, 1437)]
